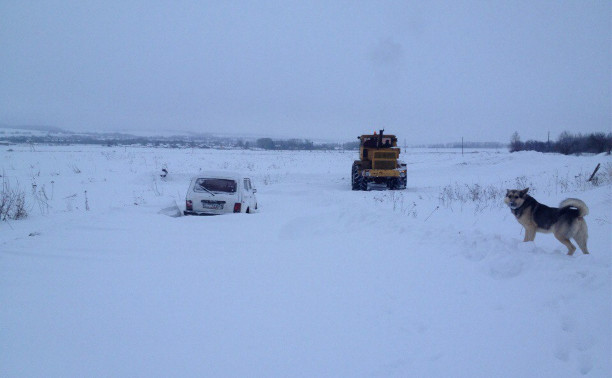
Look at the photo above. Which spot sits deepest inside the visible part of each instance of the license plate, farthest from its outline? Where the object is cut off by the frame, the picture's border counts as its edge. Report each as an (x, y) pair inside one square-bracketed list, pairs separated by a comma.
[(212, 205)]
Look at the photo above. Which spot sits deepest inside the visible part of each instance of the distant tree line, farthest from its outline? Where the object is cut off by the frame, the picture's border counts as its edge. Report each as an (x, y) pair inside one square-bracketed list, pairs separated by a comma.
[(112, 140), (293, 144), (350, 145), (174, 142), (566, 144), (467, 144), (108, 141)]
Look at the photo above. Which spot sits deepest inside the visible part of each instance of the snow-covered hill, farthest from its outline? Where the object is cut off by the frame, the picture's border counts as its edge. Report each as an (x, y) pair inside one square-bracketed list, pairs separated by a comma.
[(101, 280)]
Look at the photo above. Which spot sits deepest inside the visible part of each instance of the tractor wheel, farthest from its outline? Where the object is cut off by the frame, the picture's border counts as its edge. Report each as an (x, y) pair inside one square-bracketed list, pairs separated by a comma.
[(355, 177), (363, 183)]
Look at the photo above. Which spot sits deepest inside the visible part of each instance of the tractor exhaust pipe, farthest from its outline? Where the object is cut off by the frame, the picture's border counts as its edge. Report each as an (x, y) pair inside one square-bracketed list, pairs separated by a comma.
[(380, 137)]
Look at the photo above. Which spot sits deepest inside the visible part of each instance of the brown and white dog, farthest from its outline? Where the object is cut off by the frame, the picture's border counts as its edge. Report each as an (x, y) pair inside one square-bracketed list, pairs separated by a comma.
[(565, 222)]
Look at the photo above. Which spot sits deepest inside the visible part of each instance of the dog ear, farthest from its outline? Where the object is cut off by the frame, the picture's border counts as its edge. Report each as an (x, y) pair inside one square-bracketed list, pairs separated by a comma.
[(524, 191)]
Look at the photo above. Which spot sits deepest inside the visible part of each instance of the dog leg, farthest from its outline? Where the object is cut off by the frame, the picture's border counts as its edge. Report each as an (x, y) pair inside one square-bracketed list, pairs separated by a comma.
[(529, 234), (566, 242), (581, 240)]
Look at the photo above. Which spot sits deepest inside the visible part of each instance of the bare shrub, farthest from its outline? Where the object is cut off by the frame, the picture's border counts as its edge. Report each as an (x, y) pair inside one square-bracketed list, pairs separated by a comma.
[(20, 210), (398, 202), (12, 202), (603, 176), (42, 200), (482, 196), (521, 182), (580, 181)]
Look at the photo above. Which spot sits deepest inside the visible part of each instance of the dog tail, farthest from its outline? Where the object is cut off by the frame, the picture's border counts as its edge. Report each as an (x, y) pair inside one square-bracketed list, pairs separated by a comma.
[(578, 204)]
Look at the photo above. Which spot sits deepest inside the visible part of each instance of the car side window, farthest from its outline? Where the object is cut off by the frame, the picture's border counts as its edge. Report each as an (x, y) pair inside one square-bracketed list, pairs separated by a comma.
[(247, 184)]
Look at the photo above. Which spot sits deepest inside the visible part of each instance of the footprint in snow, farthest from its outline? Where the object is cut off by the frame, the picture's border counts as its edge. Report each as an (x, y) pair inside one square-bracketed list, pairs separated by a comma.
[(526, 246), (585, 364), (568, 324), (505, 268), (474, 253), (562, 353), (573, 339)]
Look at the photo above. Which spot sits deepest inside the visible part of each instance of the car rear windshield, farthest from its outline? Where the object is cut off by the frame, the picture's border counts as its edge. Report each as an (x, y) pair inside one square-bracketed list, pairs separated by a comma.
[(215, 185)]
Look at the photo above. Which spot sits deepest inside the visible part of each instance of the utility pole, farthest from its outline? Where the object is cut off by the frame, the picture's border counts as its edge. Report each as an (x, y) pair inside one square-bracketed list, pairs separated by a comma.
[(461, 146)]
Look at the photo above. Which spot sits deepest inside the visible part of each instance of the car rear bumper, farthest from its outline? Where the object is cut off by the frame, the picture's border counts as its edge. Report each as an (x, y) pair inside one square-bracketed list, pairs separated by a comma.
[(186, 212)]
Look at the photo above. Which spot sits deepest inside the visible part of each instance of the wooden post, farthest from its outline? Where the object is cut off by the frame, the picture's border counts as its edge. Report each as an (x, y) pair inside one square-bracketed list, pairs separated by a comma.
[(594, 172)]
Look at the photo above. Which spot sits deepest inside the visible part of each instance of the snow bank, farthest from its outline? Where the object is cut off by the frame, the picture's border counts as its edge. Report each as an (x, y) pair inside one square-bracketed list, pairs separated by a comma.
[(104, 279)]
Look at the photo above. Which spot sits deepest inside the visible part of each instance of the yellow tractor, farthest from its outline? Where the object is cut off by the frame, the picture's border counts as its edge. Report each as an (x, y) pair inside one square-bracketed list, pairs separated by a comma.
[(378, 164)]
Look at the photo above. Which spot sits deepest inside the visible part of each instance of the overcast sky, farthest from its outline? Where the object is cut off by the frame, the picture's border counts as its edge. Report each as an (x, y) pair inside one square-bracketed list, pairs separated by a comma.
[(428, 71)]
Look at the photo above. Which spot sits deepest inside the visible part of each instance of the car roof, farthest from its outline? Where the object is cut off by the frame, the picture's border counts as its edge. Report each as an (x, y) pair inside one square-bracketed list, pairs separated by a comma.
[(220, 175)]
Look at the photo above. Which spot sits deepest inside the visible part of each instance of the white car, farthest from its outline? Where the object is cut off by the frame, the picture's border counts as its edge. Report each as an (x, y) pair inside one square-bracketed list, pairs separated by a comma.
[(213, 193)]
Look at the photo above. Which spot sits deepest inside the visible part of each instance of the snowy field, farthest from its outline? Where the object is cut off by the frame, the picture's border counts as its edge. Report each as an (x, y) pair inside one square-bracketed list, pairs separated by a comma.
[(103, 279)]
